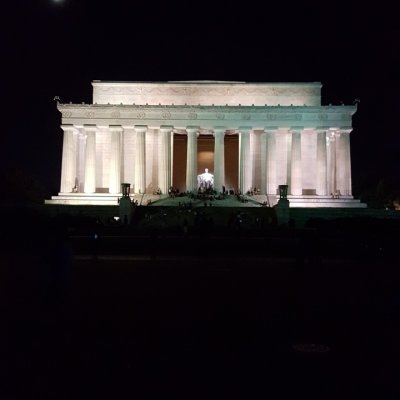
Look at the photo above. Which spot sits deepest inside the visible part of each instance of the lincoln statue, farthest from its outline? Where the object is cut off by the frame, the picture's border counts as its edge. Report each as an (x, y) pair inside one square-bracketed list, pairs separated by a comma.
[(205, 180)]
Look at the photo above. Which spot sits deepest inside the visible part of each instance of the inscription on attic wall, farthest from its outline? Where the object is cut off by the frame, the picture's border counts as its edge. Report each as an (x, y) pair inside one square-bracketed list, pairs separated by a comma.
[(206, 94), (222, 91)]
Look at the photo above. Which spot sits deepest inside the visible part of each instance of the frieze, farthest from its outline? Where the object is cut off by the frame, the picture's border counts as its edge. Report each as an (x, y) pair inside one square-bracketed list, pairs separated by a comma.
[(230, 113), (207, 90), (284, 117)]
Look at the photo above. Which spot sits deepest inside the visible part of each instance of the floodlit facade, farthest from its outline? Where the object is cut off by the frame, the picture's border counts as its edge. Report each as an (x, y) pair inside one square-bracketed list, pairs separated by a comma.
[(252, 137)]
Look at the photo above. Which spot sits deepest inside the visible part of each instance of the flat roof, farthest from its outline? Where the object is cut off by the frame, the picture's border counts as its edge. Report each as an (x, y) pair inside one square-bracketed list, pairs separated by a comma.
[(203, 82)]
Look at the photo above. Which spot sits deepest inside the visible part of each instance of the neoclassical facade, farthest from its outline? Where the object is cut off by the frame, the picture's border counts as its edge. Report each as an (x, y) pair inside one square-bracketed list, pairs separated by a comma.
[(248, 135)]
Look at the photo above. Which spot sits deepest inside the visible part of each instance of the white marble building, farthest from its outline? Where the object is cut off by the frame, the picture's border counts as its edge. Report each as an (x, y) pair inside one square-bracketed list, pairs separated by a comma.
[(249, 135)]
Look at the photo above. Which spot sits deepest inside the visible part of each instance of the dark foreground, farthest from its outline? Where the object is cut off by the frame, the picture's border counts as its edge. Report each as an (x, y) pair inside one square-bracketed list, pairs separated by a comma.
[(308, 316)]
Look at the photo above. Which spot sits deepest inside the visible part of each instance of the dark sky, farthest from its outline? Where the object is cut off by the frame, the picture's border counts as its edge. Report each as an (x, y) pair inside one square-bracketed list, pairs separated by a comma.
[(53, 48)]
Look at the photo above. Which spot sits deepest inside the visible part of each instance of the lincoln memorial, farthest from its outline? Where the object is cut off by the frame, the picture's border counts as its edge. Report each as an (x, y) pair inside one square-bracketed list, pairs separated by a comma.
[(252, 137)]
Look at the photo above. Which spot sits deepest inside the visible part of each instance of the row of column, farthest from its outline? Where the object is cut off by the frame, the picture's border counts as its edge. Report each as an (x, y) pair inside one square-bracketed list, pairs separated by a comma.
[(333, 170), (69, 162)]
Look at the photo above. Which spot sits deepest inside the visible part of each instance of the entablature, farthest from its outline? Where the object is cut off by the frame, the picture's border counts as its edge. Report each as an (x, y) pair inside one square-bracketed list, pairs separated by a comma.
[(209, 116)]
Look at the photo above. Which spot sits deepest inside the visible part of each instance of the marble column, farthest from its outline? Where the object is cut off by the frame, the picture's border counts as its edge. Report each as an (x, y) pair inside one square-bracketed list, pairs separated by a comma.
[(331, 161), (68, 166), (90, 159), (245, 160), (347, 160), (219, 158), (115, 160), (191, 158), (172, 159), (321, 186), (287, 135), (343, 175), (263, 157), (295, 165), (271, 162), (140, 159), (164, 158), (128, 138)]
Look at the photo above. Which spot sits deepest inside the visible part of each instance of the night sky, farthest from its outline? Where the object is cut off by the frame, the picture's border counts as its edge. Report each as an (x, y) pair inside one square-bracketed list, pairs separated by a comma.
[(56, 48)]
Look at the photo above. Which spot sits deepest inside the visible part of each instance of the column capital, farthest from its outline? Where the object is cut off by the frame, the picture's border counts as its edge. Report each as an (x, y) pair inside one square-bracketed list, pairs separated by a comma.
[(69, 127), (295, 129), (219, 130), (331, 134), (140, 128), (128, 127), (90, 128), (245, 128), (167, 128), (115, 128), (190, 130), (345, 130)]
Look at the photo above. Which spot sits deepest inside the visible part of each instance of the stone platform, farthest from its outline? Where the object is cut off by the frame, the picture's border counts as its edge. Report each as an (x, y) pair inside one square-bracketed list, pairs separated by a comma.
[(229, 201), (100, 199)]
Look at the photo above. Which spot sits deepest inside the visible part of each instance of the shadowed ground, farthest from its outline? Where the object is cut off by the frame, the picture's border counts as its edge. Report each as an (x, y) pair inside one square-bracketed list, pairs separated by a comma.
[(304, 313)]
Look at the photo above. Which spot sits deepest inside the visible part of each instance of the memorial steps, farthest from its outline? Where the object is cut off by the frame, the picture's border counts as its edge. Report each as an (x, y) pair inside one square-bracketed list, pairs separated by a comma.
[(100, 199), (310, 201), (305, 201)]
